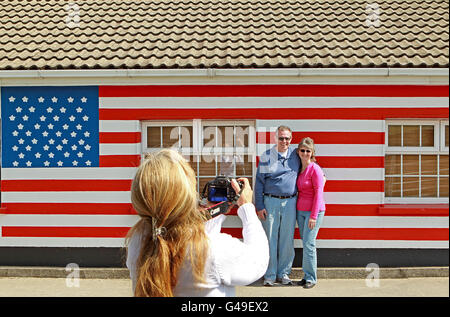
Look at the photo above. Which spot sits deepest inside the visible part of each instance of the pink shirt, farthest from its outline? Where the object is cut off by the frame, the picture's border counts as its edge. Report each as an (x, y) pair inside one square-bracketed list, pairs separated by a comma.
[(310, 185)]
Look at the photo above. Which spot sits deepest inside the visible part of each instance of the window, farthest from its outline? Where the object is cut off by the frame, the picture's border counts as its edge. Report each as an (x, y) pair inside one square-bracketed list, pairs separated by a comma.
[(416, 161), (212, 148)]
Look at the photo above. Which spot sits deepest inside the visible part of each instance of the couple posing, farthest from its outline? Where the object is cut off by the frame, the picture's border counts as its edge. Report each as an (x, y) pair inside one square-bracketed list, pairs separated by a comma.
[(282, 173)]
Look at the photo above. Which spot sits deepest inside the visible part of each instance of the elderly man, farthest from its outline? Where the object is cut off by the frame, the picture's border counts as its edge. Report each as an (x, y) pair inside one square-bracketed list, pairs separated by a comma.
[(275, 201)]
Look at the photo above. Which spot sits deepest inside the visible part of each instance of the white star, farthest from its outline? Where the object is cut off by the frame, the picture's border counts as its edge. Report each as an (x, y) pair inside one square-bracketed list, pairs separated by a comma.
[(15, 133), (25, 118), (74, 147), (18, 109), (45, 133), (58, 134), (88, 163), (37, 126), (28, 163), (21, 155), (15, 163), (51, 141), (81, 142), (21, 141), (80, 154), (73, 134), (55, 118), (46, 163), (54, 99), (75, 163), (28, 133), (25, 99), (70, 99), (87, 147), (41, 99), (63, 110), (51, 155), (34, 141), (28, 148), (46, 147), (83, 99), (87, 134), (38, 155), (60, 163), (11, 99), (49, 109), (59, 147), (20, 126), (85, 118), (42, 118), (15, 148), (50, 126), (79, 109), (64, 141), (65, 127), (31, 109), (66, 154), (79, 126), (72, 118), (12, 118)]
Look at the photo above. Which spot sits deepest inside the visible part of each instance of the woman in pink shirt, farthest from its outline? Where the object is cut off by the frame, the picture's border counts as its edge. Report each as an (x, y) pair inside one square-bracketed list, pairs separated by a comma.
[(310, 209)]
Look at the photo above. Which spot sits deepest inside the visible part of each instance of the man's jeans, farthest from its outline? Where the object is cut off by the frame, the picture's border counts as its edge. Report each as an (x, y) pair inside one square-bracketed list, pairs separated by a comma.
[(309, 262), (279, 227)]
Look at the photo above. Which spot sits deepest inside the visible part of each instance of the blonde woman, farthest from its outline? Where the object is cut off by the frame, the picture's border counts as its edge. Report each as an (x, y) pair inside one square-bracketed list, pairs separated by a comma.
[(173, 251), (310, 208)]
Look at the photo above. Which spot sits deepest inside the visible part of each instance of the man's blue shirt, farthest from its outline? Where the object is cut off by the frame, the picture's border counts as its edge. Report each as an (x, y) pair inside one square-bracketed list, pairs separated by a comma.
[(276, 175)]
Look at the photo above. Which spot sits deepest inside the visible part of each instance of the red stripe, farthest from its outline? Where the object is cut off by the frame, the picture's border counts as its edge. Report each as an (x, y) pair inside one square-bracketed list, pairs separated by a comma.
[(274, 91), (352, 210), (120, 160), (414, 210), (68, 208), (60, 185), (328, 137), (273, 113), (417, 234), (65, 232), (120, 137), (354, 186), (351, 161)]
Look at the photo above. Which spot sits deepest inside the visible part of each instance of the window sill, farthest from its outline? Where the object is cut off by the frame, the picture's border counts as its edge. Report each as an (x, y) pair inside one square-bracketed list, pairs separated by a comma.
[(414, 210)]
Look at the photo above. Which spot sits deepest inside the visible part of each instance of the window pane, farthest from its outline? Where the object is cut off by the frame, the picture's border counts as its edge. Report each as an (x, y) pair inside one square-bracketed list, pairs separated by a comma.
[(186, 137), (429, 165), (242, 133), (392, 164), (192, 160), (443, 187), (170, 136), (427, 135), (443, 164), (207, 166), (429, 186), (446, 135), (209, 136), (395, 135), (410, 187), (392, 187), (244, 165), (225, 136), (410, 164), (153, 137), (226, 164), (411, 135)]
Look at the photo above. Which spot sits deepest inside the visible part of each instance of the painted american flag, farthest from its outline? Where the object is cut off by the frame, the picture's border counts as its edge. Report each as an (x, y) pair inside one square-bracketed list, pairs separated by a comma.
[(74, 204)]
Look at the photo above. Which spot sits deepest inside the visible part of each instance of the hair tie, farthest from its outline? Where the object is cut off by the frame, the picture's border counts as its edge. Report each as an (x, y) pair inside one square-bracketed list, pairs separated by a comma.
[(161, 231)]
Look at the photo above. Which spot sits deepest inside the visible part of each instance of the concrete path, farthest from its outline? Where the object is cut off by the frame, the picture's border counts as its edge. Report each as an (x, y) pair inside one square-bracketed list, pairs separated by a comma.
[(61, 287)]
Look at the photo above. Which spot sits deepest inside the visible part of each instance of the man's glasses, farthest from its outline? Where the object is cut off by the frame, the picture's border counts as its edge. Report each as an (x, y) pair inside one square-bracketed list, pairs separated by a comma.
[(283, 139), (303, 151)]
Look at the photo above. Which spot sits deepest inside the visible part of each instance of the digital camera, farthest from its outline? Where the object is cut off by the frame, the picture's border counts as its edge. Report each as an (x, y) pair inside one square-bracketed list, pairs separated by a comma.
[(220, 189)]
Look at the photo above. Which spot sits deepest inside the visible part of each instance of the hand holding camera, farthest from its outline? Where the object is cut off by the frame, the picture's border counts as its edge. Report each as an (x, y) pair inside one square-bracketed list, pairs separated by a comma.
[(246, 194)]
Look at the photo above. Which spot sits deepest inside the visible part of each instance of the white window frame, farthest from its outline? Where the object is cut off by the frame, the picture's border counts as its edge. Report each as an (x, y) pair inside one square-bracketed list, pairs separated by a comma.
[(437, 149)]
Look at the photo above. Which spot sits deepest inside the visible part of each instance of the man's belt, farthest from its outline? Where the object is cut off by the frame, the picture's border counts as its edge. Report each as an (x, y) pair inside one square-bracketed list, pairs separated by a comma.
[(280, 197)]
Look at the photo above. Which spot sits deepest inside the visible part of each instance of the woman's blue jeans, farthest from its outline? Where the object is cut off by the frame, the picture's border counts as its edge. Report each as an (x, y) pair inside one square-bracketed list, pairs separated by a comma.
[(309, 262), (279, 227)]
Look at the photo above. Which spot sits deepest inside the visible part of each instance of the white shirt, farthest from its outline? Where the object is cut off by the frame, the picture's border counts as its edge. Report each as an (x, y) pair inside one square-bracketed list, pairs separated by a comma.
[(230, 262)]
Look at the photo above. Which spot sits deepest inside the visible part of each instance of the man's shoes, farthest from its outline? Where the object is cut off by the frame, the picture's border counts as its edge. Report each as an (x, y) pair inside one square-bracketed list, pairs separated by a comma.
[(285, 280), (301, 283), (268, 283), (309, 285)]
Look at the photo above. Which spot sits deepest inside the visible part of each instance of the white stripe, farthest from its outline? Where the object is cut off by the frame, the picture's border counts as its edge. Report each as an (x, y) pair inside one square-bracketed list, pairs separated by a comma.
[(69, 173), (322, 125), (365, 222), (69, 220), (67, 197), (336, 149), (119, 126), (270, 102), (376, 244), (353, 198), (120, 148), (354, 173), (120, 242)]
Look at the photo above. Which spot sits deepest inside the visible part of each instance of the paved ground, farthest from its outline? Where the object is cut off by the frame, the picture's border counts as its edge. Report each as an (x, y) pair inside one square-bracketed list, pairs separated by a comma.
[(402, 287)]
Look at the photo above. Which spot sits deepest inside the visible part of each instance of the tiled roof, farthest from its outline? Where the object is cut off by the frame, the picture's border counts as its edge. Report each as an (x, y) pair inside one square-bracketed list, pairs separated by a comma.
[(130, 34)]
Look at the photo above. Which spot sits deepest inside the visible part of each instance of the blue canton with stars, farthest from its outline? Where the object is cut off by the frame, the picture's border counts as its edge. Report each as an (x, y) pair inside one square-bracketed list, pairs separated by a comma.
[(50, 127)]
